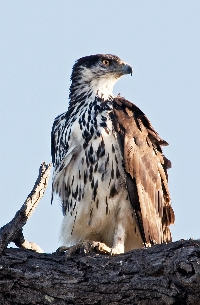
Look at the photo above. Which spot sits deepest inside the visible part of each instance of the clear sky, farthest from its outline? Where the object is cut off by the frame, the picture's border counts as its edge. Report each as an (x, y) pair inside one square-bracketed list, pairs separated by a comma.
[(39, 42)]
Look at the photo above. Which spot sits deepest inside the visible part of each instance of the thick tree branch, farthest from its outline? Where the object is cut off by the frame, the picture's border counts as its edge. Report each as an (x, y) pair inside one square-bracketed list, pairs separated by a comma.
[(12, 232), (167, 274)]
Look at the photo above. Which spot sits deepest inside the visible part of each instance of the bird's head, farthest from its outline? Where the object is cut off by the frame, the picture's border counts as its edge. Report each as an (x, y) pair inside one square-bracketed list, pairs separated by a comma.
[(97, 74)]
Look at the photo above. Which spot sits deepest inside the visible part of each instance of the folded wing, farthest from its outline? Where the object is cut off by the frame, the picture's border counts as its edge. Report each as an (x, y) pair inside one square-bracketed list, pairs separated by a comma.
[(146, 171)]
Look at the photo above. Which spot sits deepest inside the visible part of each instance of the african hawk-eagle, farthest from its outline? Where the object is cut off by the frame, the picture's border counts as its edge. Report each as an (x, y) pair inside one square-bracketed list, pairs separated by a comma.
[(109, 169)]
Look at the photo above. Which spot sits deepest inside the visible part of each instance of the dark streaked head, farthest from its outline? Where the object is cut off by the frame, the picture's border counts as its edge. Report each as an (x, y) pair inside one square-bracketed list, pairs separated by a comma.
[(98, 73)]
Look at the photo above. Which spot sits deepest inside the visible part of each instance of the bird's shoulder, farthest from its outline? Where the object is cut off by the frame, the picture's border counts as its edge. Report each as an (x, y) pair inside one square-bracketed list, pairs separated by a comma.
[(132, 118), (131, 122)]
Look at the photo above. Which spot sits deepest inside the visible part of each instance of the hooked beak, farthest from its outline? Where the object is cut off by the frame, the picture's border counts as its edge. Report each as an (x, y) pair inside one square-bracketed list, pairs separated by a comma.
[(124, 68)]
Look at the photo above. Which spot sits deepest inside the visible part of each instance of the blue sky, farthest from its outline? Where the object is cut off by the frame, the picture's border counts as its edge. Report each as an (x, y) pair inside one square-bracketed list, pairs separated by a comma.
[(41, 39)]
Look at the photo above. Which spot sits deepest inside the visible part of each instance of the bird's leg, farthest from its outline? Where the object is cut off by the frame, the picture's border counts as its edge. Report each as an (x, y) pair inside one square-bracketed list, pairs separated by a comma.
[(119, 239)]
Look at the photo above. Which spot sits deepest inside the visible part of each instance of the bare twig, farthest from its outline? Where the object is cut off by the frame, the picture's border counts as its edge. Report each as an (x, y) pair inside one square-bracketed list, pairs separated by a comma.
[(12, 232)]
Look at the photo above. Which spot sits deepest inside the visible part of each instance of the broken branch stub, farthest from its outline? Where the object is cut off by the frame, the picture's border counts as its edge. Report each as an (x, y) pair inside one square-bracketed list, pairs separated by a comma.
[(12, 231)]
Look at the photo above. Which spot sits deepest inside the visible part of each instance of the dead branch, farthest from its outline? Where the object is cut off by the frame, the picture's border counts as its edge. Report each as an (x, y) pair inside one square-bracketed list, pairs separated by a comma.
[(12, 232)]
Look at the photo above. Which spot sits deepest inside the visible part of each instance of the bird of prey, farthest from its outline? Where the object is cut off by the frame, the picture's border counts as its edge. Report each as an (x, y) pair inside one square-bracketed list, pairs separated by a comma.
[(109, 169)]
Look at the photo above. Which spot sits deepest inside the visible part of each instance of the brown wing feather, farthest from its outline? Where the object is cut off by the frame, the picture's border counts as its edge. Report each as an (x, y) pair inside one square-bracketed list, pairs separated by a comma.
[(146, 170)]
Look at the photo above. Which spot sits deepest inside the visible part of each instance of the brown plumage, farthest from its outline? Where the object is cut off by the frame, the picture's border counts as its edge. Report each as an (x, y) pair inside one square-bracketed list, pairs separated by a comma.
[(146, 171)]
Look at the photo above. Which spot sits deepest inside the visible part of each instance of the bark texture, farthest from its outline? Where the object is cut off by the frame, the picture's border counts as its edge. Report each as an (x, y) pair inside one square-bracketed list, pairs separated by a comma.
[(164, 274)]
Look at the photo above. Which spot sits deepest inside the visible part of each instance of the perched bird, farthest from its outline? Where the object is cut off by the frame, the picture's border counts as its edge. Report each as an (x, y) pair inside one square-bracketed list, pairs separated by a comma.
[(109, 169)]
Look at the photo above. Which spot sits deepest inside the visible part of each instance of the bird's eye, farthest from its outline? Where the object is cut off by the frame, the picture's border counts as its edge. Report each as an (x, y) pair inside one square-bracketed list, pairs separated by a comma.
[(106, 62)]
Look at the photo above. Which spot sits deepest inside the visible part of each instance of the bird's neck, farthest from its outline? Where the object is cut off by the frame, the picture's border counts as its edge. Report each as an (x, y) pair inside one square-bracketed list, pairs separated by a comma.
[(97, 87), (103, 87)]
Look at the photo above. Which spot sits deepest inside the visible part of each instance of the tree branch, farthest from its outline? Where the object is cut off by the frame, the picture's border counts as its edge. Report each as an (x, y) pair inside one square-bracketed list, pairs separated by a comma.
[(12, 232), (167, 274)]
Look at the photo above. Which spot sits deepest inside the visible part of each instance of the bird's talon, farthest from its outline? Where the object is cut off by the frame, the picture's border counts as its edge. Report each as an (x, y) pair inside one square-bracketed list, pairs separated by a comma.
[(86, 247), (62, 249)]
